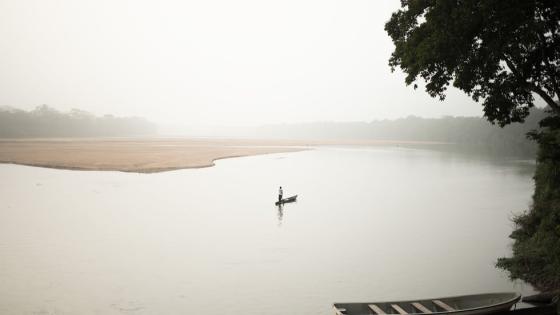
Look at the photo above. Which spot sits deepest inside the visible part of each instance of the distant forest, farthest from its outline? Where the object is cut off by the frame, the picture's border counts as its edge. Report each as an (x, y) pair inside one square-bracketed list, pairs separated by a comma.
[(47, 122), (463, 133), (472, 134)]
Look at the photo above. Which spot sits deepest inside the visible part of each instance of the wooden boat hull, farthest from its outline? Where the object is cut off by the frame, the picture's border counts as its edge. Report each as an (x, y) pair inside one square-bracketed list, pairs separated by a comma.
[(461, 305), (286, 200)]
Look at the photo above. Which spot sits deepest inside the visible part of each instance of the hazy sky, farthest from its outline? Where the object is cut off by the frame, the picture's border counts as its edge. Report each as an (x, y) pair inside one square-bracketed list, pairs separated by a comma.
[(210, 62)]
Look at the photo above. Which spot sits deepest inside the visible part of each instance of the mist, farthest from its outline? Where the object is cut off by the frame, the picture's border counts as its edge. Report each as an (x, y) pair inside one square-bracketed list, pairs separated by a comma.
[(261, 157), (210, 63)]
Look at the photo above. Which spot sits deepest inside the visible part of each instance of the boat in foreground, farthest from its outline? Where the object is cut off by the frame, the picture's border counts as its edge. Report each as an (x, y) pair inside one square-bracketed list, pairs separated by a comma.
[(464, 305), (286, 200)]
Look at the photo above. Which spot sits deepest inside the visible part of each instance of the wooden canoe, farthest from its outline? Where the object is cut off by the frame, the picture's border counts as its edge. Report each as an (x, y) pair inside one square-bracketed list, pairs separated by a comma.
[(286, 200), (461, 305)]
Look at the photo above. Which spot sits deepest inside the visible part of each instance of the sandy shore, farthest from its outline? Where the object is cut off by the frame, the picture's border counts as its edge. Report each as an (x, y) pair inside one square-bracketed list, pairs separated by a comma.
[(145, 155)]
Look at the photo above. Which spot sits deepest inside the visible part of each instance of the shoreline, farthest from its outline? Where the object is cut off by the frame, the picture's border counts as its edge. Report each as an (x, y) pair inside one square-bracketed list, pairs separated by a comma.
[(152, 155), (140, 170), (131, 155)]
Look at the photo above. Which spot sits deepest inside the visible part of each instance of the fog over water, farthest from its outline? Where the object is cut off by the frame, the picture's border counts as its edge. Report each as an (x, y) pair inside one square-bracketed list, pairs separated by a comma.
[(210, 63), (119, 84), (369, 224)]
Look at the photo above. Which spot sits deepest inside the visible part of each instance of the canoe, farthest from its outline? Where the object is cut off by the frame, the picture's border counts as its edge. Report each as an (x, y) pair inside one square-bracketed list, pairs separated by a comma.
[(286, 200), (461, 305)]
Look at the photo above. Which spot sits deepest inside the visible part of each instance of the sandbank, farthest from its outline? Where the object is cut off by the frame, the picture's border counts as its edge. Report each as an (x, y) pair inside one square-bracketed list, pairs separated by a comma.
[(146, 155)]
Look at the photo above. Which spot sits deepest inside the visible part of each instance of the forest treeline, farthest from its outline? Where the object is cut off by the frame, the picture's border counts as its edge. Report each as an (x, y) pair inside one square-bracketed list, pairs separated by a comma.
[(463, 133), (47, 122)]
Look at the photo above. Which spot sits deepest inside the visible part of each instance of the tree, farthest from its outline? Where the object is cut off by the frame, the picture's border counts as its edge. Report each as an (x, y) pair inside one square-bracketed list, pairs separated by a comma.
[(46, 122), (504, 54), (498, 51)]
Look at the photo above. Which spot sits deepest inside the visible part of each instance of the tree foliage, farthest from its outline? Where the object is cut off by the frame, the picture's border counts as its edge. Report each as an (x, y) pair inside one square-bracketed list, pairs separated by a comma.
[(45, 121), (503, 53), (536, 250), (500, 52), (472, 135)]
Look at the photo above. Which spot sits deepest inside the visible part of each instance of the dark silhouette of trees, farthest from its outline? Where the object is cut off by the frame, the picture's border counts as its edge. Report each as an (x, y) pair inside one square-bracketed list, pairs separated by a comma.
[(46, 122), (500, 52), (503, 53), (466, 134)]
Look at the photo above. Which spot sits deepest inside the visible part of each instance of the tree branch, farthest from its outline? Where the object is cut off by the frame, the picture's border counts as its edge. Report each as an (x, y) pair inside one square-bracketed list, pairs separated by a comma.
[(513, 68), (549, 67), (533, 87), (549, 100)]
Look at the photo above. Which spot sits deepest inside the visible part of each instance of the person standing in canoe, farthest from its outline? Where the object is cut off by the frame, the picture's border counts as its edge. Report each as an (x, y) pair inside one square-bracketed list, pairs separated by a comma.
[(280, 193)]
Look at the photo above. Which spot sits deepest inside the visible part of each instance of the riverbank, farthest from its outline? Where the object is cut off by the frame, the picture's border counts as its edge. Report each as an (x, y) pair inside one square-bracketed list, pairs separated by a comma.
[(131, 155), (147, 155)]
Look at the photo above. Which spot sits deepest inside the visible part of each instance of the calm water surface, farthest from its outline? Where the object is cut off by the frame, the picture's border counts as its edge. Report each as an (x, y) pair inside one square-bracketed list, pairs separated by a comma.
[(369, 224)]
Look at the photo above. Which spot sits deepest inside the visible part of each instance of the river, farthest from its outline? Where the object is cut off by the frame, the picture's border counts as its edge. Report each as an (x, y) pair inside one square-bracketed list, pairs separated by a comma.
[(370, 223)]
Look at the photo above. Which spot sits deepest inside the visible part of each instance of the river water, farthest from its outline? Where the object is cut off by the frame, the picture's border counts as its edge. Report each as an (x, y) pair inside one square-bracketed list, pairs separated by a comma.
[(369, 224)]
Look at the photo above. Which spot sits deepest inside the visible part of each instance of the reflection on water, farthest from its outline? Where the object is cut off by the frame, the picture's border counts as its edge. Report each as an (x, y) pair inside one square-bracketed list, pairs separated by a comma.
[(280, 214), (374, 224), (280, 208)]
